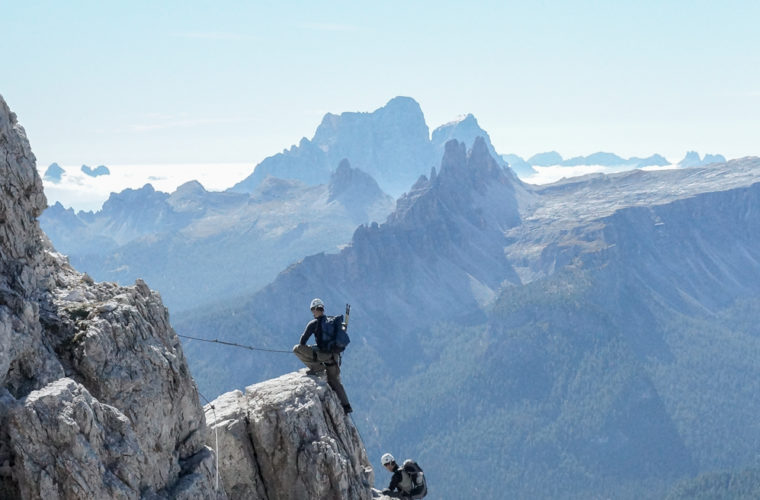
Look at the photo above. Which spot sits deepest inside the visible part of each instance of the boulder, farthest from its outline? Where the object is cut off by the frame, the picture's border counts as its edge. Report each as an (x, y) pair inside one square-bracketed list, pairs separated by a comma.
[(288, 438)]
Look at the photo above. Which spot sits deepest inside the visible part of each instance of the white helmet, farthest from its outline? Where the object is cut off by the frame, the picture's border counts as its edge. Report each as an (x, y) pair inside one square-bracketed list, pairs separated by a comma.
[(387, 458), (317, 303)]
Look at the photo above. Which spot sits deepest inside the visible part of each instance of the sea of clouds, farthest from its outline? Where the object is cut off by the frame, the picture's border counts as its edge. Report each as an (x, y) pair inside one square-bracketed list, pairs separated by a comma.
[(81, 192)]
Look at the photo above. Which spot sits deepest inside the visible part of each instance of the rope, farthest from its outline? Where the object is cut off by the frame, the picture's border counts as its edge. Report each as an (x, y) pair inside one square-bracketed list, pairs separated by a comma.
[(250, 348), (216, 437), (364, 444), (351, 416)]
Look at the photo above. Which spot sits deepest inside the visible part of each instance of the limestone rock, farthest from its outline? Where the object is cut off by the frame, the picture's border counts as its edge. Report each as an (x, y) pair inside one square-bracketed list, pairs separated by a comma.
[(74, 446), (288, 438), (96, 400)]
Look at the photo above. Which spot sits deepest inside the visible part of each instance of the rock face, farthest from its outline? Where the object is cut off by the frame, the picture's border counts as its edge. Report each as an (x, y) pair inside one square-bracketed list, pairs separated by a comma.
[(288, 438), (96, 400)]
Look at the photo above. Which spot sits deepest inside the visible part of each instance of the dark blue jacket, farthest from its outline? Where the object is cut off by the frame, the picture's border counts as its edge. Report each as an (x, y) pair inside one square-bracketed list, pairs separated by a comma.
[(314, 327)]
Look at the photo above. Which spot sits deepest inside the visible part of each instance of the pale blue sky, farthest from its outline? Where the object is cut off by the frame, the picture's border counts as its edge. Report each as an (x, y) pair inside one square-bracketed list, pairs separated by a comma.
[(153, 82)]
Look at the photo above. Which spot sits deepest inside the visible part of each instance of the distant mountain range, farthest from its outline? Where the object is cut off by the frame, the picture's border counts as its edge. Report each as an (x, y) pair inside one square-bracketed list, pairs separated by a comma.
[(197, 246), (524, 168), (393, 144)]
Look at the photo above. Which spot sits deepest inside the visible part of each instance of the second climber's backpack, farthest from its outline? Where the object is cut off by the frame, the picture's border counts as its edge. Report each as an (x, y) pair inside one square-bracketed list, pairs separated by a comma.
[(413, 476)]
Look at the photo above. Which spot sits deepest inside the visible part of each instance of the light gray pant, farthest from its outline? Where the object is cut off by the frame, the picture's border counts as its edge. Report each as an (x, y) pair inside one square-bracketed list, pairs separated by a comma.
[(317, 360)]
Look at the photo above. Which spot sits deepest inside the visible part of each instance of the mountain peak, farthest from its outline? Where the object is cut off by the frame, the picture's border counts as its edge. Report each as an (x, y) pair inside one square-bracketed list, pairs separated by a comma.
[(460, 168), (191, 187), (463, 177), (353, 186), (54, 173), (466, 119), (545, 159), (391, 143), (692, 159), (403, 102)]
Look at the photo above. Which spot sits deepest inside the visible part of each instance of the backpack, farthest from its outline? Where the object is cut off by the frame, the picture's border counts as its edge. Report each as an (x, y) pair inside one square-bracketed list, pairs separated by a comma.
[(334, 335), (416, 477)]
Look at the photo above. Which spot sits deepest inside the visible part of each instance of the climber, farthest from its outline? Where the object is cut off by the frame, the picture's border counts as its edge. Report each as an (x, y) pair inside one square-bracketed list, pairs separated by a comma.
[(319, 358), (407, 481)]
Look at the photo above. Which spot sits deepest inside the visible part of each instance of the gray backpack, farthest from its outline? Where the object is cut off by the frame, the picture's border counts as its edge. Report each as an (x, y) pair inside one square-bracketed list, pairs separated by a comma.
[(414, 478)]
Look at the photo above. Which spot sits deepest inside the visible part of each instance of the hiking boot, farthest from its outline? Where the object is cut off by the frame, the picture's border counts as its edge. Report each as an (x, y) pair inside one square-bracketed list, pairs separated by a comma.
[(347, 409), (315, 373)]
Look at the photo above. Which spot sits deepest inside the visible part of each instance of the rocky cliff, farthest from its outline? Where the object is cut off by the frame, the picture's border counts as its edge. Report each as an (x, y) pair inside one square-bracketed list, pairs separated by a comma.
[(96, 399), (288, 438)]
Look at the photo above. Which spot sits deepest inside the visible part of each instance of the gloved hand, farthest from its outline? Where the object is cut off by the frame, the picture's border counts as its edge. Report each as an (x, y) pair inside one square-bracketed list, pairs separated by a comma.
[(386, 491)]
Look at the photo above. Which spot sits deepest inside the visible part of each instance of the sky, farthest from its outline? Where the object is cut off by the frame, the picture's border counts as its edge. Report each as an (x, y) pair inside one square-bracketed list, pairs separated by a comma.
[(146, 83)]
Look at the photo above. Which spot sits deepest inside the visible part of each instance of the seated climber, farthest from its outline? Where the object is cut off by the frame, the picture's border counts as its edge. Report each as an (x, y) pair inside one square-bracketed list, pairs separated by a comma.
[(319, 358), (407, 481)]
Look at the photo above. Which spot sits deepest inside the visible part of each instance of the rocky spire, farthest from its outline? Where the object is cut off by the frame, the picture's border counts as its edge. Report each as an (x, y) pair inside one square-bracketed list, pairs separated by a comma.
[(288, 438)]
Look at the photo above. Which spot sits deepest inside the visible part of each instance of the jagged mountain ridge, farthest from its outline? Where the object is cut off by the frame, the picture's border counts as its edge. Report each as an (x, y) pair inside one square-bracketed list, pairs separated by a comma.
[(389, 144), (392, 144), (552, 158), (197, 246)]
